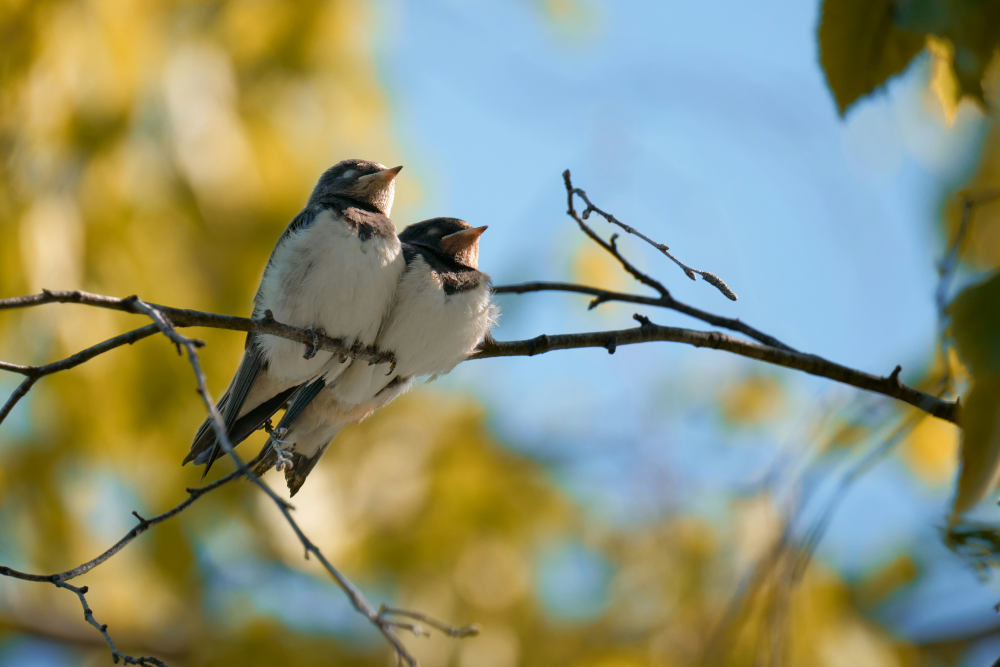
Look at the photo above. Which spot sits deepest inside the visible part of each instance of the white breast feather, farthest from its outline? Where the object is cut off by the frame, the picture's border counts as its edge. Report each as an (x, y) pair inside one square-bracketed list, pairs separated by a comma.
[(327, 277), (429, 331)]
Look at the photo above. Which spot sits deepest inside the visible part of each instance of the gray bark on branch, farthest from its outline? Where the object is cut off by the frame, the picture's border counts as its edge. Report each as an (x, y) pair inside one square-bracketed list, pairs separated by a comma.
[(648, 332)]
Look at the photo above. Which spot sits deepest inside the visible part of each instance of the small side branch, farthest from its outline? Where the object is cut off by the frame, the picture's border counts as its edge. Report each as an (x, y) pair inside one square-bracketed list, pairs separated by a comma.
[(88, 615), (606, 296), (693, 274), (610, 246), (458, 632)]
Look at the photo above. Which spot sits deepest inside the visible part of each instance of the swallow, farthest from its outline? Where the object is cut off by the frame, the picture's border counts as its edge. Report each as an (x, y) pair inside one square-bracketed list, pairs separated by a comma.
[(441, 310), (334, 270)]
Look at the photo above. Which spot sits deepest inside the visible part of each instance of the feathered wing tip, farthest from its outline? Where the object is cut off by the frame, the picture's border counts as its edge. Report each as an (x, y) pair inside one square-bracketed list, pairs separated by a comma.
[(204, 439)]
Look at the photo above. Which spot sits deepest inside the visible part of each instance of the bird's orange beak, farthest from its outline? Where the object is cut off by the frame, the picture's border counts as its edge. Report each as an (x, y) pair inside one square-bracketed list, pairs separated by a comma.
[(385, 176), (459, 241)]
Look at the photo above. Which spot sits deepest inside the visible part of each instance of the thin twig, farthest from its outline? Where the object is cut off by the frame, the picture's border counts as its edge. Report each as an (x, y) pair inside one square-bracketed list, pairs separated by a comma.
[(450, 630), (693, 274), (610, 246), (33, 373), (139, 529), (88, 615), (16, 396)]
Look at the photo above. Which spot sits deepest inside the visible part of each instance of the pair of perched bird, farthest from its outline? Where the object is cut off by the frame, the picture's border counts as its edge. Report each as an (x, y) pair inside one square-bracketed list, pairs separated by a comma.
[(340, 269)]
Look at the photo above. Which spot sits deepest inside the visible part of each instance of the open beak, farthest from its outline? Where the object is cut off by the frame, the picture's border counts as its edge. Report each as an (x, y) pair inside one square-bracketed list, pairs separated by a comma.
[(385, 176), (459, 241)]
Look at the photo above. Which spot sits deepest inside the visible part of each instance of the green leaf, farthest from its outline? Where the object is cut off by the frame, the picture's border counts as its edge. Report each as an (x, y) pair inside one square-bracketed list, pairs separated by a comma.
[(975, 324), (980, 420), (971, 29), (861, 47), (974, 30), (975, 315)]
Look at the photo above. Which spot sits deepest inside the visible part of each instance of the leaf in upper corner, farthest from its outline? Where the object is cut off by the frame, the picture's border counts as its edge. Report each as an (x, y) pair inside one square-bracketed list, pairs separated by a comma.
[(965, 42), (975, 315), (861, 47), (974, 31)]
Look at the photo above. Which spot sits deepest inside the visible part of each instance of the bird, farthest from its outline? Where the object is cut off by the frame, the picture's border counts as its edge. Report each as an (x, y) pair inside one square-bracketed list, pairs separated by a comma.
[(334, 271), (441, 310)]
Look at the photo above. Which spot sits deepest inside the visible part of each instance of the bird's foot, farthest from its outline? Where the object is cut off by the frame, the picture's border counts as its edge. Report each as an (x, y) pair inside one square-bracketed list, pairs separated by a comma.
[(313, 347), (284, 455)]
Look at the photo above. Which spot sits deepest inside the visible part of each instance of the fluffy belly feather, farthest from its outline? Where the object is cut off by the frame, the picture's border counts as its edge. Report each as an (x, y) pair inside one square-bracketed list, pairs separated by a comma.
[(429, 331), (325, 276)]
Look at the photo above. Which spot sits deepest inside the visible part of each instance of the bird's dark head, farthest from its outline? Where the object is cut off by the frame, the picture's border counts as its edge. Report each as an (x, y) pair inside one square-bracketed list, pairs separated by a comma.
[(450, 237), (364, 182)]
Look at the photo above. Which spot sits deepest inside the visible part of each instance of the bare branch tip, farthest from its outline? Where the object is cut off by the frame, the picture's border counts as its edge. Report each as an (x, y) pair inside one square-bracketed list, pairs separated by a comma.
[(642, 320)]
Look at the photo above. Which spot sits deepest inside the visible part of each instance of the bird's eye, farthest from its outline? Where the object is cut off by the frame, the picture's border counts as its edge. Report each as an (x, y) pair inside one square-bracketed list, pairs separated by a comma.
[(349, 173)]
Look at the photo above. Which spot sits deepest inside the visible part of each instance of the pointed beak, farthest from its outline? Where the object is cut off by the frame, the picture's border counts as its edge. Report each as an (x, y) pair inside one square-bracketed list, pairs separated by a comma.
[(459, 241), (386, 175)]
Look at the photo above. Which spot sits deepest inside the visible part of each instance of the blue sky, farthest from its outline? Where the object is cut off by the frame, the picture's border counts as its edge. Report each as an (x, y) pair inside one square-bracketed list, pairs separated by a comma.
[(709, 127)]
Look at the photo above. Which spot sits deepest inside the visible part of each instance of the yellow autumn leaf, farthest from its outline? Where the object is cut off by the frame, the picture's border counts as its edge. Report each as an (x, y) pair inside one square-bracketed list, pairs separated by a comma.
[(593, 266), (931, 450), (944, 85), (981, 248), (975, 317), (752, 400)]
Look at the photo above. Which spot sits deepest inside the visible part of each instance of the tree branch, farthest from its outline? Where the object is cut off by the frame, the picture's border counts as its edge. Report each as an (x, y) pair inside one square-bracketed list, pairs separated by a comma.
[(648, 332), (385, 619), (33, 373), (667, 301), (194, 318), (161, 323), (88, 616)]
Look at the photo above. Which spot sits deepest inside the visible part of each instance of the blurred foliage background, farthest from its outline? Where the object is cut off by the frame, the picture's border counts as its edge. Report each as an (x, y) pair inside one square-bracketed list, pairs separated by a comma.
[(159, 148)]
